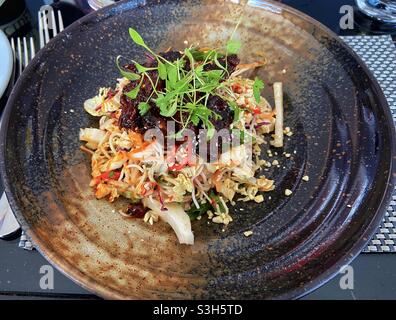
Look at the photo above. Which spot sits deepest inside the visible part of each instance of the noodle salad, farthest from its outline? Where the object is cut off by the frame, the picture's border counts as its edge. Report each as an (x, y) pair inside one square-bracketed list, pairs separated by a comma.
[(180, 136)]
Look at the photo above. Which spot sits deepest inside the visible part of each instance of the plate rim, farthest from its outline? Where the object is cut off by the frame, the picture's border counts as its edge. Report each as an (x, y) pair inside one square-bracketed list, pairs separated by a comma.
[(106, 292)]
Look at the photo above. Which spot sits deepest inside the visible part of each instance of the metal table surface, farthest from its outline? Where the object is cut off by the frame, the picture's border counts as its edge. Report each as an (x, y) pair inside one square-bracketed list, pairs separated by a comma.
[(374, 274)]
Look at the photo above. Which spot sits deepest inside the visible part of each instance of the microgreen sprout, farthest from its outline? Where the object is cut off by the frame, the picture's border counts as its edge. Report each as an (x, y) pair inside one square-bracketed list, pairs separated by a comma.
[(189, 83)]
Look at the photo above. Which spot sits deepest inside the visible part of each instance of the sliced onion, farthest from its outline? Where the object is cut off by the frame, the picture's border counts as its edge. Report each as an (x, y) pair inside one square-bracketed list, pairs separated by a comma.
[(93, 136), (116, 163), (177, 218), (237, 155), (91, 106)]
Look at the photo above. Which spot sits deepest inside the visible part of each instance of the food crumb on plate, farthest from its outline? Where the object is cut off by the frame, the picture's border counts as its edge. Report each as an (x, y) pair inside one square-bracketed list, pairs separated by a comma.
[(248, 233), (288, 192), (288, 132), (305, 178)]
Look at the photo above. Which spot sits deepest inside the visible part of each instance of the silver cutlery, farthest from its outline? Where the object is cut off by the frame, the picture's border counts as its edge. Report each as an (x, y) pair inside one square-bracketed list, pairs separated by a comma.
[(23, 52), (44, 33)]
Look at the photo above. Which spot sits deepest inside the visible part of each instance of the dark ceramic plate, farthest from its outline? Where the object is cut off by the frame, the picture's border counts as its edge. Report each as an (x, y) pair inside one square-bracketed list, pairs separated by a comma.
[(344, 141)]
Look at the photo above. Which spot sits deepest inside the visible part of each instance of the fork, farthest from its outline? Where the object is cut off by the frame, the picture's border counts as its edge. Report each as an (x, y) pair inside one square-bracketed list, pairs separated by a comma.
[(44, 33), (22, 54), (21, 50)]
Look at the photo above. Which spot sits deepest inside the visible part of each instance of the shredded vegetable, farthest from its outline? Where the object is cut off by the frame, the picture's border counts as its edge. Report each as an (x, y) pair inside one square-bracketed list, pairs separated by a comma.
[(180, 184)]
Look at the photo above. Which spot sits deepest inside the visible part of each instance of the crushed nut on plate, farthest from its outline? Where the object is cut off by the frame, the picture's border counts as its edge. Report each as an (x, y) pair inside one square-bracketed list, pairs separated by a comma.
[(248, 233)]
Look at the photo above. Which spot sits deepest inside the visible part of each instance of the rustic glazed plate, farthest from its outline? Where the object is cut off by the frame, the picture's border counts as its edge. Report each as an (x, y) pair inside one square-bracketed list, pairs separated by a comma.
[(343, 140)]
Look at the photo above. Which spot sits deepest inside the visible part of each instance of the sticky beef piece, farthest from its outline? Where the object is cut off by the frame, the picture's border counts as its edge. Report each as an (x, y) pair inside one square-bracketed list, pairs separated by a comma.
[(153, 119), (232, 63), (180, 120), (130, 67), (146, 87), (136, 210), (171, 55), (130, 117), (220, 107)]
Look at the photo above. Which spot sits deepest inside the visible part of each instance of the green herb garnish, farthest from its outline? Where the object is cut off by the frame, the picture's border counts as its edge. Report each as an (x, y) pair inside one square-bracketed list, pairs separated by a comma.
[(233, 46), (217, 201), (187, 89), (194, 212), (237, 110), (143, 108), (257, 86), (126, 74), (141, 68), (133, 93), (137, 38), (161, 70)]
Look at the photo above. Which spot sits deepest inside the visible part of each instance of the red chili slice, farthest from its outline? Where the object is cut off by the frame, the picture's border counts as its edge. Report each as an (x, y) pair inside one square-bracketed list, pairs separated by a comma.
[(110, 175)]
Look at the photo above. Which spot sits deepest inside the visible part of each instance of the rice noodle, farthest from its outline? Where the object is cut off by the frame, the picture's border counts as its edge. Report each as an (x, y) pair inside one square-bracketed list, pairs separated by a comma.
[(123, 164)]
